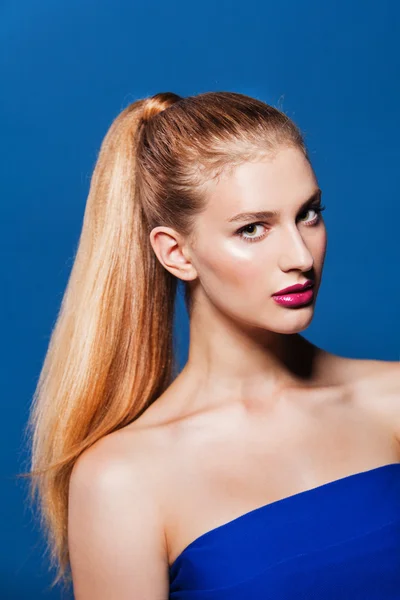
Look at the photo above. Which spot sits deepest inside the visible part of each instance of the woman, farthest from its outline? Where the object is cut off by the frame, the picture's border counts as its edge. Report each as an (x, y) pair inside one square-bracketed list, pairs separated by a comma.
[(266, 468)]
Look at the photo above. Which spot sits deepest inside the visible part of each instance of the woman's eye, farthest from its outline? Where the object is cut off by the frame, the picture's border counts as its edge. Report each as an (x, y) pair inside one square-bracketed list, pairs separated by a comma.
[(249, 232), (308, 211), (317, 210), (246, 232)]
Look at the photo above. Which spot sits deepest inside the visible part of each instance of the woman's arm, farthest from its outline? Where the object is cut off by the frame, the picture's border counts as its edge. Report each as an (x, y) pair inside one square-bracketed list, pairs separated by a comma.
[(115, 531)]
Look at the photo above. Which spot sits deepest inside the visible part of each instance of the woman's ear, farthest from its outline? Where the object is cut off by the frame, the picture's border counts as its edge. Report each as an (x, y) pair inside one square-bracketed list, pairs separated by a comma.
[(170, 249)]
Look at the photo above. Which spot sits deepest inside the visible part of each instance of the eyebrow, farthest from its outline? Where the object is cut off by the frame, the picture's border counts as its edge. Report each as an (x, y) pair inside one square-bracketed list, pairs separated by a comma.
[(260, 215)]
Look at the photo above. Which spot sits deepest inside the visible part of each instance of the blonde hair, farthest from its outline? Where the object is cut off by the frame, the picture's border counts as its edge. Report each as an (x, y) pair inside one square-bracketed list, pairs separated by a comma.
[(111, 349)]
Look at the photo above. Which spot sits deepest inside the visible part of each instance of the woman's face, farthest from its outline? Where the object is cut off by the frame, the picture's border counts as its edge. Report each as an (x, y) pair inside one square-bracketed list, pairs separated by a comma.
[(241, 261)]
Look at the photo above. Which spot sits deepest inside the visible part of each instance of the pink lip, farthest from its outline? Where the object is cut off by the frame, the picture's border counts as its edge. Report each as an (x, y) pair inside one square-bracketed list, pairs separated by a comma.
[(298, 287), (295, 299), (295, 295)]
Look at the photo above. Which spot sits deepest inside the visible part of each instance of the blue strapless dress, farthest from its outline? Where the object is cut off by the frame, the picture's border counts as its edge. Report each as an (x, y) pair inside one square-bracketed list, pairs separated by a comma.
[(338, 541)]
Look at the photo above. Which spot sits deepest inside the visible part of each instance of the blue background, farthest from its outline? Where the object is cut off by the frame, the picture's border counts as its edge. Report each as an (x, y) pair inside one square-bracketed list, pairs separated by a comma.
[(68, 69)]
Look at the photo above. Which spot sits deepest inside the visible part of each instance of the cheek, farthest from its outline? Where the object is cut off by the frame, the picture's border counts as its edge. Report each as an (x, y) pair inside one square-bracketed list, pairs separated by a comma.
[(235, 265)]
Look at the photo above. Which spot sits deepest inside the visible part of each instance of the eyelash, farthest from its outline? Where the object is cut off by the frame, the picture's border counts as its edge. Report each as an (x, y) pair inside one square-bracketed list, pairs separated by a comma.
[(315, 221)]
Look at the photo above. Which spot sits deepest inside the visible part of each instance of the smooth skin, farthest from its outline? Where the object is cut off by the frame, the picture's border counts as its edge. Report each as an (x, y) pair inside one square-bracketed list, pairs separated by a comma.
[(257, 414)]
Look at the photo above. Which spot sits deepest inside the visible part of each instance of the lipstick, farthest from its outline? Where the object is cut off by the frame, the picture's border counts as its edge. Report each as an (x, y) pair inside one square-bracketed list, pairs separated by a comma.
[(295, 295)]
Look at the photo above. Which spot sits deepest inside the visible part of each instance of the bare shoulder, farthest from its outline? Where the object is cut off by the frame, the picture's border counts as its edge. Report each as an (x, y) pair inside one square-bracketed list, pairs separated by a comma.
[(116, 533), (382, 375), (376, 386), (359, 371)]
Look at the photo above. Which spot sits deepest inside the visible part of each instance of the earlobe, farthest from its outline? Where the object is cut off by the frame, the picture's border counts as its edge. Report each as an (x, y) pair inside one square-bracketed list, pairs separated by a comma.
[(168, 246)]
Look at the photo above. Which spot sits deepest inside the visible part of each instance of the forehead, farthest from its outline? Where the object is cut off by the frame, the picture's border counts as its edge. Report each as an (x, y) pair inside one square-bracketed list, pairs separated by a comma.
[(280, 183)]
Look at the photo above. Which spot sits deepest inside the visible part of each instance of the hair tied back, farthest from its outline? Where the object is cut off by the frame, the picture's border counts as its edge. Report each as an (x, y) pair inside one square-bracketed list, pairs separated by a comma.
[(157, 104)]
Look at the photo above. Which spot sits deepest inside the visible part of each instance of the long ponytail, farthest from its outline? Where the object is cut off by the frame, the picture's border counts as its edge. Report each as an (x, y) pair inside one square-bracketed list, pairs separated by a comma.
[(111, 351)]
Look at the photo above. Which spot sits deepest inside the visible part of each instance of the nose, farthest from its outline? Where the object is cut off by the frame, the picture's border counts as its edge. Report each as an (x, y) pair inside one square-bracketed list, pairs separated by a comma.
[(295, 253)]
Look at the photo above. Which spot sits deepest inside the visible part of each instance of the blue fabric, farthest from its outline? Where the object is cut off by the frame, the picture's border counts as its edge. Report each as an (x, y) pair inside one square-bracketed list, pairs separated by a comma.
[(338, 540)]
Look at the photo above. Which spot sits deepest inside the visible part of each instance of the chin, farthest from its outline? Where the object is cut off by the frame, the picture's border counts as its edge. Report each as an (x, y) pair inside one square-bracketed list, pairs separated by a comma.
[(297, 320)]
